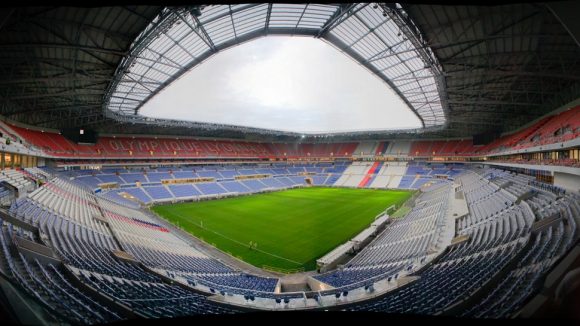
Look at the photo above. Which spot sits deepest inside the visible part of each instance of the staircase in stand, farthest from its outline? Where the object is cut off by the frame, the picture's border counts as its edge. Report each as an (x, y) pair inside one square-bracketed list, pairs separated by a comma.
[(371, 173)]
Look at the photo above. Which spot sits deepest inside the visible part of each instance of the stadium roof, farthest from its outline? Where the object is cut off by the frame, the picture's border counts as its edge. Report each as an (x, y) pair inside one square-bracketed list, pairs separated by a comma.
[(463, 69), (181, 38)]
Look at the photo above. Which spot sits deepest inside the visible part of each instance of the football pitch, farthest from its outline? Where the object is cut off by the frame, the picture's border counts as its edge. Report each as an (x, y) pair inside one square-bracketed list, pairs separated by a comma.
[(291, 229)]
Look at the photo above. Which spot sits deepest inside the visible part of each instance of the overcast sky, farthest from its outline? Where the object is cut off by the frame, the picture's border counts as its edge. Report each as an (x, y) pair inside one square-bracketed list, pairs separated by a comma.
[(287, 83)]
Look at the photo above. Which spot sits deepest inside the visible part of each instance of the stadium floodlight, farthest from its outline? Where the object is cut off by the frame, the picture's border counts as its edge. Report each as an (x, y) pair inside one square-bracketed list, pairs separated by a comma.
[(196, 11)]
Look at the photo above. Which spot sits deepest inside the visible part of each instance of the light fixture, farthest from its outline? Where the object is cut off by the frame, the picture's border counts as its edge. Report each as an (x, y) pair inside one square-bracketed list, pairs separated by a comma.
[(196, 11)]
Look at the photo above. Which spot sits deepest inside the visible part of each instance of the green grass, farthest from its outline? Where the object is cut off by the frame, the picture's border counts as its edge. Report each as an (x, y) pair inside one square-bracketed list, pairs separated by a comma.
[(293, 228), (402, 211)]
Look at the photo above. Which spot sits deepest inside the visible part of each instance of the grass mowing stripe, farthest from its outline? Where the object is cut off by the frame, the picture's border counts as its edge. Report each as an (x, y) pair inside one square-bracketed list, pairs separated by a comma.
[(238, 242), (298, 225)]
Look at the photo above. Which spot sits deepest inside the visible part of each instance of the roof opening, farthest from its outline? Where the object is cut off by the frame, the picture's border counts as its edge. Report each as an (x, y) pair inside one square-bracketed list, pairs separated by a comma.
[(285, 83)]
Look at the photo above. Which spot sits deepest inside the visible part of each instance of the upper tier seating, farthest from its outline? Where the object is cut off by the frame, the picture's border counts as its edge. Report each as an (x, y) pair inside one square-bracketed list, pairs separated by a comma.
[(556, 128)]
